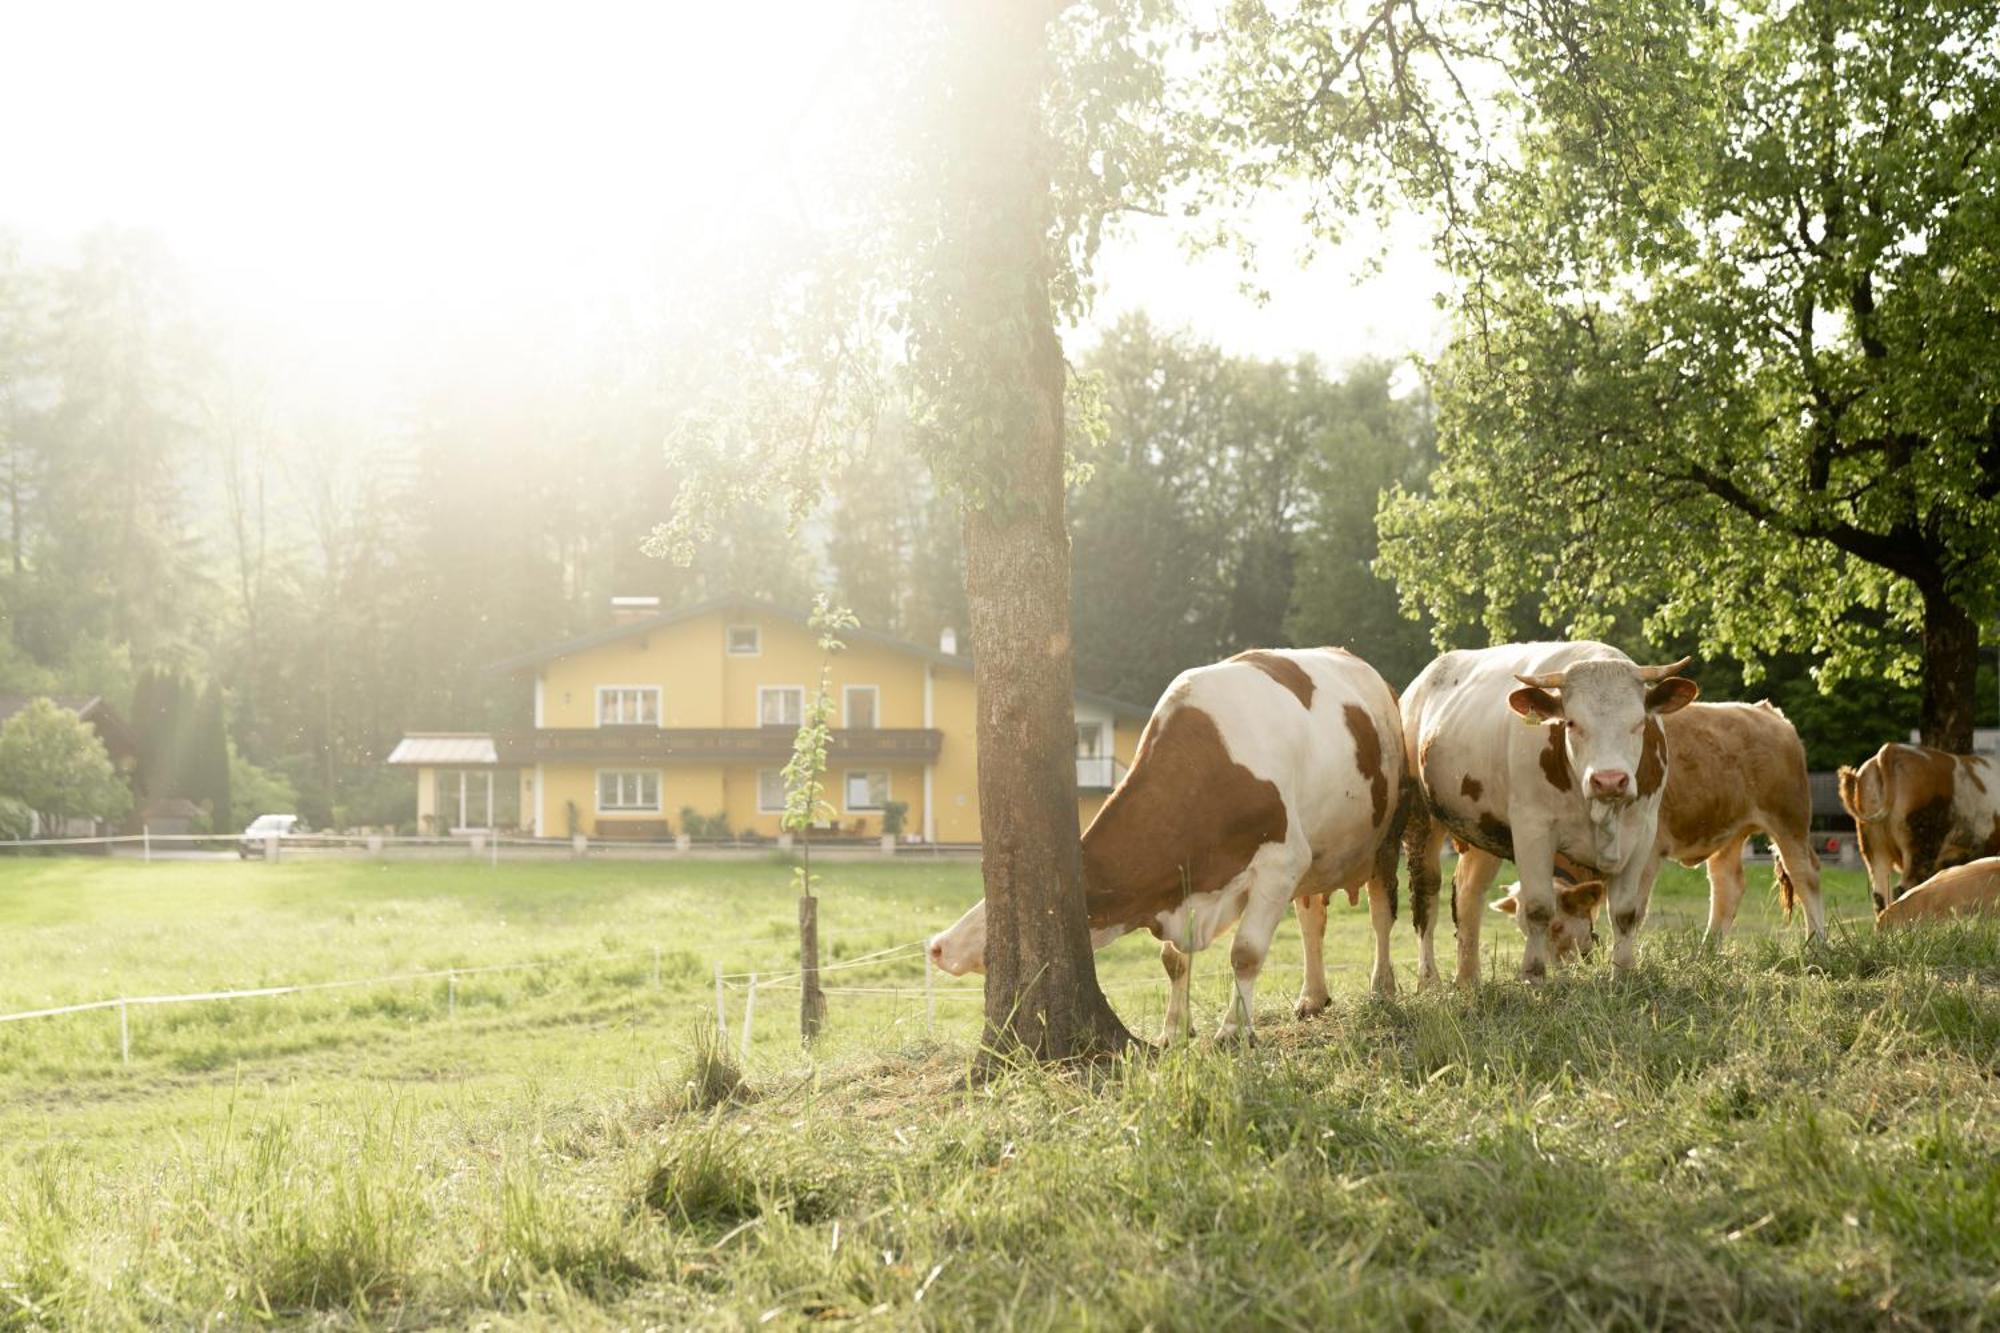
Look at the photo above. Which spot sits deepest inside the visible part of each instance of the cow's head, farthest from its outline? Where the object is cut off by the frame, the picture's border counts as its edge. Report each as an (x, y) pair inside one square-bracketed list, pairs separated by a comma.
[(961, 947), (1601, 712), (1573, 932)]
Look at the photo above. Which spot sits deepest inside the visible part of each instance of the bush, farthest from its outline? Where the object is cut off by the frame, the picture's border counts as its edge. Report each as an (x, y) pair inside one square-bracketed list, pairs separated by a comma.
[(53, 763), (257, 791), (16, 819), (893, 814)]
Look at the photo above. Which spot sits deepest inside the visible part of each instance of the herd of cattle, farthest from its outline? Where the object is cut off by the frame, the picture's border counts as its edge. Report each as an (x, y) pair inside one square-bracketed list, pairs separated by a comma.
[(1284, 776)]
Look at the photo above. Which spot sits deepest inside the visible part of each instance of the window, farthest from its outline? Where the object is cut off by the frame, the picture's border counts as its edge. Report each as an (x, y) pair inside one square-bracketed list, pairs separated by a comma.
[(1089, 736), (628, 705), (744, 641), (622, 791), (781, 705), (867, 791), (862, 704), (771, 791)]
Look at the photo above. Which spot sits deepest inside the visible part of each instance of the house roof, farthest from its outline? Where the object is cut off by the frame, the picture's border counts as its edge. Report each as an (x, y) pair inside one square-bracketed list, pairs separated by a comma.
[(585, 642), (456, 749), (91, 708)]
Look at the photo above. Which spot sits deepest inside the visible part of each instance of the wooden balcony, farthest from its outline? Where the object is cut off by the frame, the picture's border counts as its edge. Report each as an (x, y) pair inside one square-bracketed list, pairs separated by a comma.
[(713, 745)]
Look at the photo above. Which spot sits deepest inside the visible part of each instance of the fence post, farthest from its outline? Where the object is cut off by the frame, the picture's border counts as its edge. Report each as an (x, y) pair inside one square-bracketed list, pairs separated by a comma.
[(749, 1008), (451, 993), (124, 1036), (494, 843), (146, 834), (721, 1020), (271, 848)]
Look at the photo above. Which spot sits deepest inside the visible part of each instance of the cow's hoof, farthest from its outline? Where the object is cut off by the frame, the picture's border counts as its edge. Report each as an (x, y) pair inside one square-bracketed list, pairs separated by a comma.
[(1308, 1006), (1468, 979)]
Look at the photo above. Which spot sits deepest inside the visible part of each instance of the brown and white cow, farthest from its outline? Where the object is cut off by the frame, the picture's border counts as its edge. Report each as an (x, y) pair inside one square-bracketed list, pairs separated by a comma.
[(1581, 780), (1919, 810), (1972, 889), (1733, 770), (1270, 777)]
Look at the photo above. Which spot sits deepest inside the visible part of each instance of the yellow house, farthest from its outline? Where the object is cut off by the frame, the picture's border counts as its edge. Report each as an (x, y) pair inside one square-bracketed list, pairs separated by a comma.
[(695, 710)]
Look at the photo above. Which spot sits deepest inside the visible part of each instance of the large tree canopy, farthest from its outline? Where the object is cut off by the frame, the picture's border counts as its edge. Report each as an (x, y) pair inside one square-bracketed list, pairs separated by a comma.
[(1729, 348)]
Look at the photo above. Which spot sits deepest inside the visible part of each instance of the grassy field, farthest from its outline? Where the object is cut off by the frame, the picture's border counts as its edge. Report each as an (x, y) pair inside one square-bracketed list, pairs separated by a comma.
[(1765, 1135)]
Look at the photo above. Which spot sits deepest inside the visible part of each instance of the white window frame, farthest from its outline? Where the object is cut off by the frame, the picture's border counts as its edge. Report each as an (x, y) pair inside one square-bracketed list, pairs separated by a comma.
[(659, 704), (659, 791), (798, 690), (756, 648), (847, 692), (1096, 751), (762, 808), (847, 777)]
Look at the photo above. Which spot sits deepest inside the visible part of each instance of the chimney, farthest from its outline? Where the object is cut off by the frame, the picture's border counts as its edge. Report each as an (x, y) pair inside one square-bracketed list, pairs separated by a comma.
[(626, 610), (948, 641)]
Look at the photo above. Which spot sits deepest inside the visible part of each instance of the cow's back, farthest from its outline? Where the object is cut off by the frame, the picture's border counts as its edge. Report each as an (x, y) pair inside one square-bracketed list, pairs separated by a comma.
[(1730, 766), (1972, 889), (1269, 746)]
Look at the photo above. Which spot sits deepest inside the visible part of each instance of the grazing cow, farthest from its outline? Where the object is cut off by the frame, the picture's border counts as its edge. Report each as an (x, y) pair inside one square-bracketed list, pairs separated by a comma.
[(1972, 889), (1270, 777), (1573, 929), (1735, 770), (1581, 781), (1919, 810)]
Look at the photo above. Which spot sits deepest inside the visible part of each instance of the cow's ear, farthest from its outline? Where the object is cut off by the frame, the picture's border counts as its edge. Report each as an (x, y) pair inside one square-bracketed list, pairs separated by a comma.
[(1508, 904), (1671, 695), (1582, 899), (1536, 704)]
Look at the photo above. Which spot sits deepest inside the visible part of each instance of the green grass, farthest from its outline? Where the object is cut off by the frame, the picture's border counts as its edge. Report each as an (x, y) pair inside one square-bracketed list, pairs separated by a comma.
[(1767, 1134)]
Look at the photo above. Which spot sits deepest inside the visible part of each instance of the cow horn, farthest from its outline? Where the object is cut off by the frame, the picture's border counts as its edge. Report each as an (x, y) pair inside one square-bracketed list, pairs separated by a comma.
[(1548, 680), (1649, 674)]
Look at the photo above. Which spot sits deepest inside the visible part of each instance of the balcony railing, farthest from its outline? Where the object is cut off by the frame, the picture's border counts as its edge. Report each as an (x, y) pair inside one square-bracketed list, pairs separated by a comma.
[(686, 745), (1098, 772)]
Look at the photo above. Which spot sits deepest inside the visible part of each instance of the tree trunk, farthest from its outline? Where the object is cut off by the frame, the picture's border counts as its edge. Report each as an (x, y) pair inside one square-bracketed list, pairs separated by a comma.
[(812, 1000), (1042, 997), (1951, 674)]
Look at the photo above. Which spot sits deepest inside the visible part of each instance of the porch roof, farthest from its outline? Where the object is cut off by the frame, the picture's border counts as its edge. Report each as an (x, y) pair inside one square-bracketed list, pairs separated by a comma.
[(446, 749)]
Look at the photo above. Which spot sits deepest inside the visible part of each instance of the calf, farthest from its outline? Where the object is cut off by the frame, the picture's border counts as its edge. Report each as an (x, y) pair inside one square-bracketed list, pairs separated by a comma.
[(1582, 782), (1919, 810), (1271, 777), (1972, 889), (1734, 770)]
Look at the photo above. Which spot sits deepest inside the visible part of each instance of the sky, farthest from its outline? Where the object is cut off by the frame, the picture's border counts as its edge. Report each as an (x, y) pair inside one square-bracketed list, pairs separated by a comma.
[(368, 178)]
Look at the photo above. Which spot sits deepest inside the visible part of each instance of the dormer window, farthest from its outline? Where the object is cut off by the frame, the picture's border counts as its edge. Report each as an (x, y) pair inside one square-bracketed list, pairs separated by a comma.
[(745, 641), (628, 706)]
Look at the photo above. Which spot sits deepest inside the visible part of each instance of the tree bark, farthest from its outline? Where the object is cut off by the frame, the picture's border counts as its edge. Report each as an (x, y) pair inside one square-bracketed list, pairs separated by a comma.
[(1042, 996), (1951, 674)]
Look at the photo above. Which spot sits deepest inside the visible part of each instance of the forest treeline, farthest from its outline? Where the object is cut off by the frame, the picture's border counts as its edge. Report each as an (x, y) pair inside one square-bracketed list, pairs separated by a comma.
[(196, 529)]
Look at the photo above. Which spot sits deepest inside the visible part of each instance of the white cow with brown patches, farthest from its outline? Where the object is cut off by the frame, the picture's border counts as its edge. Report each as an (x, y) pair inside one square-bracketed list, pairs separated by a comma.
[(1733, 770), (1534, 752), (1919, 810), (1268, 778)]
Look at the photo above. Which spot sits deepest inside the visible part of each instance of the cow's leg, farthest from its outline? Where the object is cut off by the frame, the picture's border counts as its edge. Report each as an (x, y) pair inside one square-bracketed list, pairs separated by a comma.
[(1423, 841), (1313, 997), (1469, 884), (1273, 879), (1382, 915), (1725, 888), (1631, 891), (1535, 858), (1798, 863), (1177, 964)]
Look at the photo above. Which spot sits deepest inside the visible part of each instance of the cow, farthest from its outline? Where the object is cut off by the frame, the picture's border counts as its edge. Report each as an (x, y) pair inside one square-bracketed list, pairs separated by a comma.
[(1919, 810), (1972, 889), (1734, 770), (1272, 777), (1582, 781)]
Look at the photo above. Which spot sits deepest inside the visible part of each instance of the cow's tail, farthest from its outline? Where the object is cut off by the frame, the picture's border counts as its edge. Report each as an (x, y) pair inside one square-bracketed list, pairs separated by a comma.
[(1864, 792), (1416, 819), (1390, 849)]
